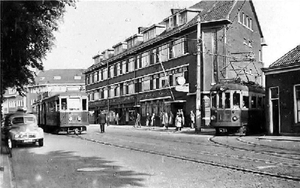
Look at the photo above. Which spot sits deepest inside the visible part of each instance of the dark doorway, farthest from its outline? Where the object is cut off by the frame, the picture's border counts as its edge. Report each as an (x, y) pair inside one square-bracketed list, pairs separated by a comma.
[(275, 116)]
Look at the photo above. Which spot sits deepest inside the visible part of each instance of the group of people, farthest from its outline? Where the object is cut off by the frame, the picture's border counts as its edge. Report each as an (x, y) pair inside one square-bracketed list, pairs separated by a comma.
[(167, 119)]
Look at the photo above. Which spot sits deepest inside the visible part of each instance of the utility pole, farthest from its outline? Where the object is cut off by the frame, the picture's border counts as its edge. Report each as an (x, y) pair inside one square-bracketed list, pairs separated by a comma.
[(198, 91)]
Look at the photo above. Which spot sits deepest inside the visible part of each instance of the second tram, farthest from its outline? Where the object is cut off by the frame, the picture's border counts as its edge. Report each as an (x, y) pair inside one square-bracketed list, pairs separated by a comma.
[(66, 112), (237, 108)]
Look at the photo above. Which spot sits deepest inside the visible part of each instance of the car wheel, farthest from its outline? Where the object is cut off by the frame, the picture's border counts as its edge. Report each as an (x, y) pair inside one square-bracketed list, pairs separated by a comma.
[(41, 142)]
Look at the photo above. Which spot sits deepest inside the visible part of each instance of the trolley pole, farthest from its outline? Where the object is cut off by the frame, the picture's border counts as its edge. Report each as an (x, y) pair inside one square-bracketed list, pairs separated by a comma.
[(198, 91)]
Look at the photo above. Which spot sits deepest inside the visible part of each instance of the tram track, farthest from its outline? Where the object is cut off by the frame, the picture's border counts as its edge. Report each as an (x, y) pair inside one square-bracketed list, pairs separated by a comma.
[(283, 155), (190, 159)]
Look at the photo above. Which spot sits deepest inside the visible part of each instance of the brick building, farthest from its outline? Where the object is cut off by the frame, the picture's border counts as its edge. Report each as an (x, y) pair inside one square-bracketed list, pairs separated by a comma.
[(283, 94), (141, 73)]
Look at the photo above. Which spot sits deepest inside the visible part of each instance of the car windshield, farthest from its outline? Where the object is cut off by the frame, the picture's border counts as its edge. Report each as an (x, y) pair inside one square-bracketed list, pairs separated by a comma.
[(23, 120)]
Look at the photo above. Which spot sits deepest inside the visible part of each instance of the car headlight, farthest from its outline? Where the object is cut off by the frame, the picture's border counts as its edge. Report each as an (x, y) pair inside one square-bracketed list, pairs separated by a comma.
[(213, 117), (234, 118)]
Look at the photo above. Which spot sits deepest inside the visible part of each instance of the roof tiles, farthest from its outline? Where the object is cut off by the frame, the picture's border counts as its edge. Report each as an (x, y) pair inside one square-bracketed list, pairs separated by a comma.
[(289, 59)]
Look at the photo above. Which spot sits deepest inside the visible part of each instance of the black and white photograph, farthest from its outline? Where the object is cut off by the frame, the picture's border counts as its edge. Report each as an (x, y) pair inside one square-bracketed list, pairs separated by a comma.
[(150, 94)]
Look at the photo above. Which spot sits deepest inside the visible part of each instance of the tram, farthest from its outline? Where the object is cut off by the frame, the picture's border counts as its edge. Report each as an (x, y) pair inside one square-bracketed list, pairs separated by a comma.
[(67, 112), (237, 108)]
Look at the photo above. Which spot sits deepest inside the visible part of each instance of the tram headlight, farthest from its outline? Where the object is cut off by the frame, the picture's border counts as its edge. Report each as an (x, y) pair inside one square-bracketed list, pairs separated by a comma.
[(213, 117), (234, 118)]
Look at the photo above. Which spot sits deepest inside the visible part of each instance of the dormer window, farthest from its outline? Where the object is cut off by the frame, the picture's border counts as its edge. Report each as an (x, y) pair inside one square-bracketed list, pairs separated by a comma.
[(153, 31)]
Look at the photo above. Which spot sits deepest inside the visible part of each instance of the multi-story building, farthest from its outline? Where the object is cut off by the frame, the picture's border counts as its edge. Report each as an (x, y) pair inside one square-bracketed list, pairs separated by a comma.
[(48, 83), (142, 73)]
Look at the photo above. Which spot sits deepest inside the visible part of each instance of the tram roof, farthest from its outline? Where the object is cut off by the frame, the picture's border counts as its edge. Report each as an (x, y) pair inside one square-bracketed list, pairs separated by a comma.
[(237, 86)]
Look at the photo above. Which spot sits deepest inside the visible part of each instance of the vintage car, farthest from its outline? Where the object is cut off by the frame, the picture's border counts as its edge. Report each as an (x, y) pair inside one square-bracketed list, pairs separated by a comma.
[(22, 128)]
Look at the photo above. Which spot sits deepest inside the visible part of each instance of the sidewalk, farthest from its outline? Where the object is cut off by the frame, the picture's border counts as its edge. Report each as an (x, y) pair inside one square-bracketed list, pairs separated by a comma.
[(5, 169), (204, 131), (280, 138)]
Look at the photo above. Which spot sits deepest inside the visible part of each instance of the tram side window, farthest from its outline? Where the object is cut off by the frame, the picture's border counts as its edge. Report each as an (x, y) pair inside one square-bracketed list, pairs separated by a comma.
[(220, 100), (227, 100), (259, 102), (253, 102), (236, 100), (57, 105), (245, 101), (214, 100), (64, 105), (84, 103)]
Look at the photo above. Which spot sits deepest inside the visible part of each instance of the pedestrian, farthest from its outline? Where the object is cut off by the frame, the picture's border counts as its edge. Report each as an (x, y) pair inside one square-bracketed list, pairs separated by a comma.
[(165, 120), (127, 117), (117, 119), (179, 121), (102, 121), (153, 119), (192, 116), (148, 119), (138, 120)]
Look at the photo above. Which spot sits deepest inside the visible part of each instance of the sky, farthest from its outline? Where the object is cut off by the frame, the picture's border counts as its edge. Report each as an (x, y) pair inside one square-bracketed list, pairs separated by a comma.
[(94, 26)]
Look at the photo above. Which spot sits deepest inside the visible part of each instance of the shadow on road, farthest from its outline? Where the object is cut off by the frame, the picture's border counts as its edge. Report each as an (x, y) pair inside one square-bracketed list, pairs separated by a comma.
[(65, 169)]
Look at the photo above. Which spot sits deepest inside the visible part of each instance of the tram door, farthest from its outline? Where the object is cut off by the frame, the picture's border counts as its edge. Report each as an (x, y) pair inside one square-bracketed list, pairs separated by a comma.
[(274, 97)]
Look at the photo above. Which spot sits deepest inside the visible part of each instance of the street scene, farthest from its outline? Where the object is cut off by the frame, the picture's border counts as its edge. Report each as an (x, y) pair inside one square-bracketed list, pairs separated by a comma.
[(158, 94), (153, 157)]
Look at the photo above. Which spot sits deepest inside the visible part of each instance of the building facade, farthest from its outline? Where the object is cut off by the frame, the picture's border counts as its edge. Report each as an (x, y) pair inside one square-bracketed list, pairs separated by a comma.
[(283, 94), (155, 70), (48, 82)]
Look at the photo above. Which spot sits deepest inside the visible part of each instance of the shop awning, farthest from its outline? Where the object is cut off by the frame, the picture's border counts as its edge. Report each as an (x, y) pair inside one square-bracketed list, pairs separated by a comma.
[(158, 98)]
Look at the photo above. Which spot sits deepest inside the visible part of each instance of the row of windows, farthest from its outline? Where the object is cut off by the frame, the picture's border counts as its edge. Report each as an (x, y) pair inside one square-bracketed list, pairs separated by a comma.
[(71, 104), (59, 78), (245, 20), (17, 103), (236, 99), (147, 83), (163, 53)]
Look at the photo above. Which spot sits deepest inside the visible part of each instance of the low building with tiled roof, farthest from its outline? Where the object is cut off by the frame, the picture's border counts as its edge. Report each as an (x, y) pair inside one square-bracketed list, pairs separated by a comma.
[(141, 74), (283, 94)]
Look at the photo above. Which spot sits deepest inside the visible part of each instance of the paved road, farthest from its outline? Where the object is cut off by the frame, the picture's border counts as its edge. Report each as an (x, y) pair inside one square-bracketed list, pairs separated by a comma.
[(129, 157)]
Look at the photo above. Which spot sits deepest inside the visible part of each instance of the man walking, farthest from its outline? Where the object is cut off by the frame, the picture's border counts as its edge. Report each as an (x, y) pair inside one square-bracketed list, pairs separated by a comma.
[(102, 121)]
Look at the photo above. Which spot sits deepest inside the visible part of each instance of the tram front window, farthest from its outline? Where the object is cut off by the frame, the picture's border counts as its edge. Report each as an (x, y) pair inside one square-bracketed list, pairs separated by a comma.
[(64, 105), (220, 100), (227, 100), (236, 100), (74, 104)]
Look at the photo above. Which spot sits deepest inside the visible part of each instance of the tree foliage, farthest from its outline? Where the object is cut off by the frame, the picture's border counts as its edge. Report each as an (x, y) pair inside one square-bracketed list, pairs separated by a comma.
[(26, 36)]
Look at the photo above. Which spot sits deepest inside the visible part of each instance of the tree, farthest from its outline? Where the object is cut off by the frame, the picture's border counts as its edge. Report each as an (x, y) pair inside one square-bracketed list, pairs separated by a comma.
[(26, 36)]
